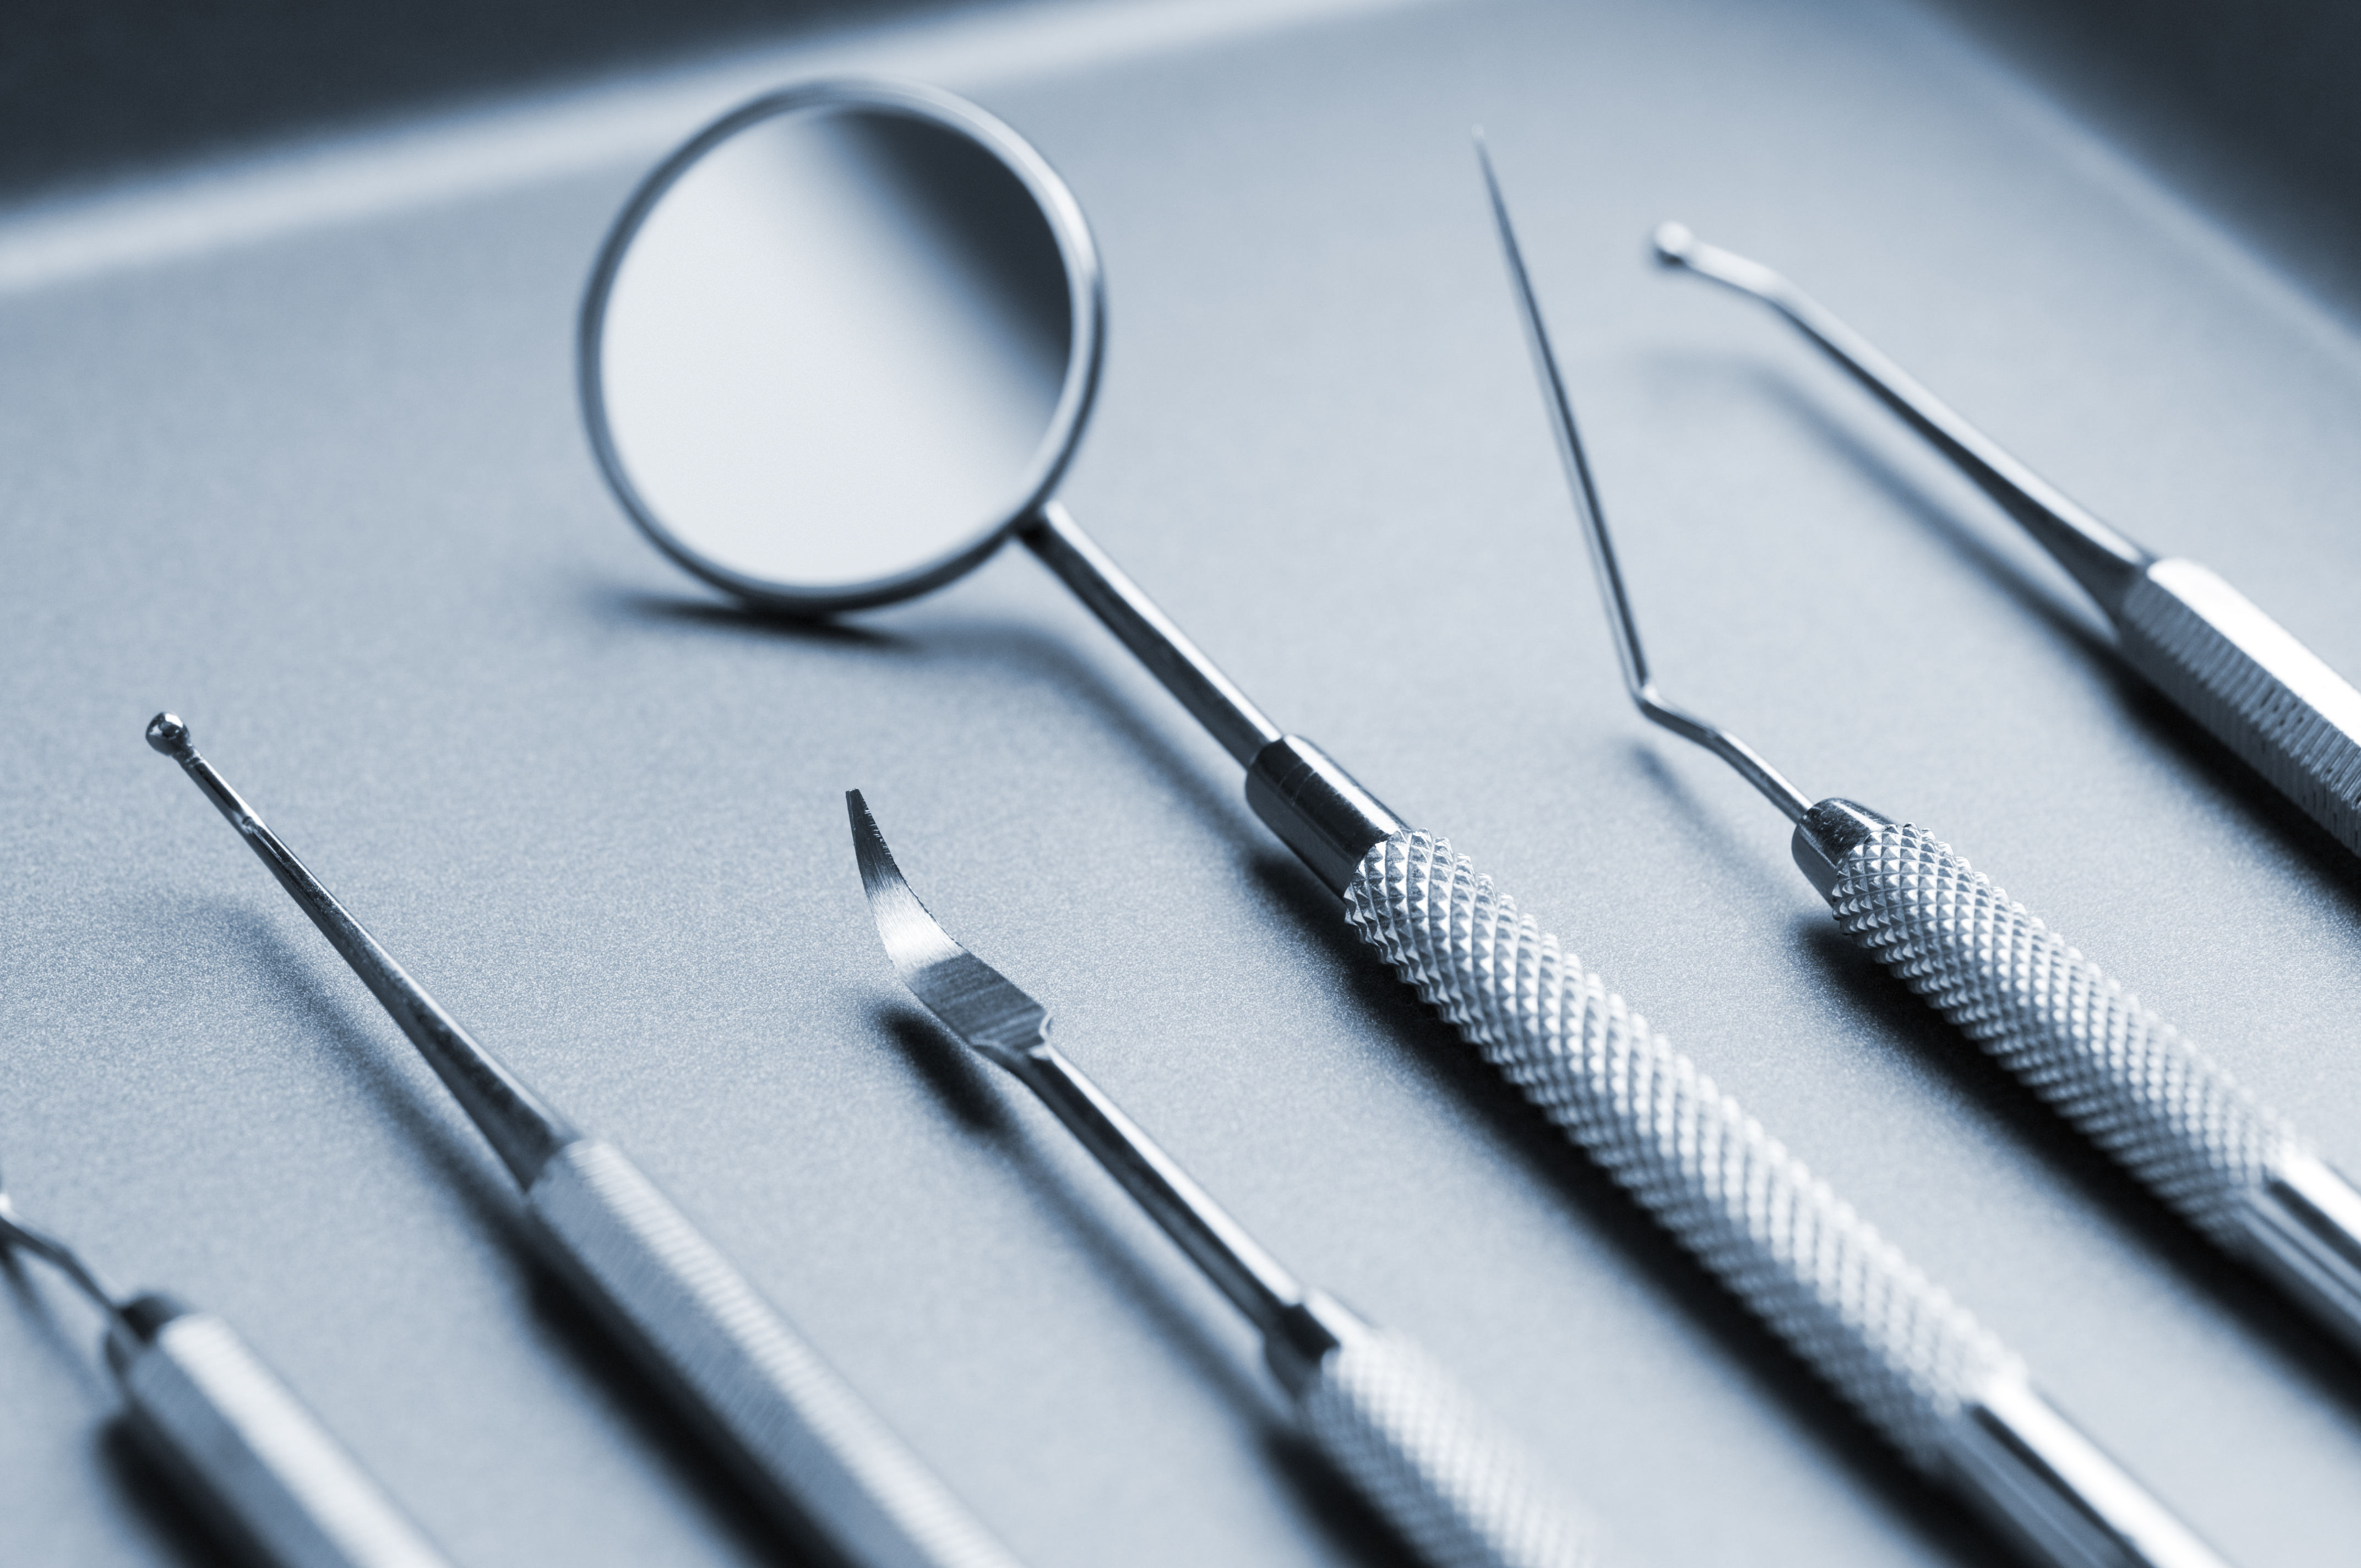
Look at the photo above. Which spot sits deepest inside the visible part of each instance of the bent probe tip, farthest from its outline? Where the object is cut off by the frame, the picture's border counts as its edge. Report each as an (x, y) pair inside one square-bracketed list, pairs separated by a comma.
[(1749, 763), (1673, 244), (169, 736)]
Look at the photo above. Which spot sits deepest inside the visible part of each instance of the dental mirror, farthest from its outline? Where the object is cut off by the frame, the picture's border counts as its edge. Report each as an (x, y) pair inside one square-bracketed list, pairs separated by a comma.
[(841, 346), (841, 343)]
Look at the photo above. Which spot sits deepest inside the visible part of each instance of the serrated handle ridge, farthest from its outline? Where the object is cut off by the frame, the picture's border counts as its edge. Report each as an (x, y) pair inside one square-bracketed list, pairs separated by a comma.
[(1416, 1447), (1892, 1343), (2267, 697), (806, 1441), (2120, 1074)]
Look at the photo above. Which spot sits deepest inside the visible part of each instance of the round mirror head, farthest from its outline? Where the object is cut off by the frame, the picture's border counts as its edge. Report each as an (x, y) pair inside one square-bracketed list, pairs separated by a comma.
[(841, 343)]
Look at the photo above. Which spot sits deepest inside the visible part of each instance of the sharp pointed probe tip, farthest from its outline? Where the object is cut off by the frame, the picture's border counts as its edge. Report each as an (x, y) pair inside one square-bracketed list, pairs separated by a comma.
[(169, 736), (876, 861), (1673, 244)]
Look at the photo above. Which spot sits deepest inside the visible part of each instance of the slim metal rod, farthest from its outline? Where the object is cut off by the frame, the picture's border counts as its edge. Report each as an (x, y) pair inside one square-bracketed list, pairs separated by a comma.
[(2104, 561), (523, 1130), (1211, 698), (1750, 764), (15, 1233), (1234, 1260)]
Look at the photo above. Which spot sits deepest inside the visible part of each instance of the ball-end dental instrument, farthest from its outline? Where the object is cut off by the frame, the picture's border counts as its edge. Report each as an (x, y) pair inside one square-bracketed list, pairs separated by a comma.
[(2122, 1076), (247, 1453), (1396, 1426), (821, 1460), (2201, 642), (2003, 1446), (833, 278)]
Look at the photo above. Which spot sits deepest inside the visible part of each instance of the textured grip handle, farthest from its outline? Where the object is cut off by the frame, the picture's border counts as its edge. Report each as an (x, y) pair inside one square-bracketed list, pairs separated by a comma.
[(797, 1431), (1884, 1336), (2121, 1075), (1417, 1449), (2244, 678), (257, 1463)]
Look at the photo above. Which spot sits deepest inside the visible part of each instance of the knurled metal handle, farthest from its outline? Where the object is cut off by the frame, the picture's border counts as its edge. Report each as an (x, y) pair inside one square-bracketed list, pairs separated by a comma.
[(2178, 1123), (1879, 1332), (1920, 1370), (1417, 1449), (255, 1460), (2244, 676), (818, 1455)]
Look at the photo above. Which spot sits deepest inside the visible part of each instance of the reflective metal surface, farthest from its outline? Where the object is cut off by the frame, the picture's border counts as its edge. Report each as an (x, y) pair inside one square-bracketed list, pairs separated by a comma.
[(2145, 1095), (1394, 1424), (830, 1473), (840, 342), (258, 1466), (294, 446), (2230, 666), (2082, 1514)]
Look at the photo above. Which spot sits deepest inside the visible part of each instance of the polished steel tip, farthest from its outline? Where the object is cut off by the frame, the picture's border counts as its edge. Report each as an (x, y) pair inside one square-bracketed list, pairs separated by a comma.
[(1674, 243), (169, 736)]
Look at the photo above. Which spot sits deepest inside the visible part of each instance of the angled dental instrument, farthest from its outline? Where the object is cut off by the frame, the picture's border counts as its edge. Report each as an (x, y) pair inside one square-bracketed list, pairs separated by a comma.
[(831, 279), (819, 1458), (1962, 1410), (2201, 642), (2117, 1072), (1395, 1425), (258, 1465)]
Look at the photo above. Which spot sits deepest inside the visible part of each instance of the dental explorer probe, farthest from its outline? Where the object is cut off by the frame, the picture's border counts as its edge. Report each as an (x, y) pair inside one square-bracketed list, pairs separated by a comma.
[(1391, 1422), (2201, 642), (1942, 1389), (258, 1464), (1895, 1347), (2122, 1076), (822, 1462)]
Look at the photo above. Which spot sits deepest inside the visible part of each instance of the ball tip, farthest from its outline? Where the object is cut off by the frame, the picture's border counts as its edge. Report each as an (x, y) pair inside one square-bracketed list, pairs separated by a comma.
[(1673, 243), (169, 736)]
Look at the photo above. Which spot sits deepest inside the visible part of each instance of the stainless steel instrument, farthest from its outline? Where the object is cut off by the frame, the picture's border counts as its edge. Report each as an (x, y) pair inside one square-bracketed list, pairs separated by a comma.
[(2121, 1075), (754, 389), (256, 1464), (819, 1458), (2202, 643), (1395, 1425)]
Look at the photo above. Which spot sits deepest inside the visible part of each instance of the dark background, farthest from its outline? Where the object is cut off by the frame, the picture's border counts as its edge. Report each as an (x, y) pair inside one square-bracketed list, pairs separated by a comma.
[(2249, 104)]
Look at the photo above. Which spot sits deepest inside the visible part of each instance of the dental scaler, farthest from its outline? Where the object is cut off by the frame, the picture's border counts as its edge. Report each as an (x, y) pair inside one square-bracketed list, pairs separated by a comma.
[(2121, 1075)]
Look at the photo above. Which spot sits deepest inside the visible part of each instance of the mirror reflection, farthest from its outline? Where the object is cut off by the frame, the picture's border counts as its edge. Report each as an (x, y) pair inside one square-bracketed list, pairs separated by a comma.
[(833, 351)]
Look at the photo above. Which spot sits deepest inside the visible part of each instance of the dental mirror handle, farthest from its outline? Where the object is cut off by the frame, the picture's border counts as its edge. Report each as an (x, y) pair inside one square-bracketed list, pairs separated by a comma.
[(810, 1446), (2205, 645), (1914, 1363), (1387, 1419), (254, 1460), (2175, 1121)]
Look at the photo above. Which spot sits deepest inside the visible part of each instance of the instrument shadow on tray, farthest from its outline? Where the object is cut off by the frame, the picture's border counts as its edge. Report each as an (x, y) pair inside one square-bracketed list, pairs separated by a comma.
[(985, 1111), (405, 1102), (970, 1097), (351, 1042), (2311, 854), (2010, 1113), (139, 1487), (1812, 418), (1041, 657)]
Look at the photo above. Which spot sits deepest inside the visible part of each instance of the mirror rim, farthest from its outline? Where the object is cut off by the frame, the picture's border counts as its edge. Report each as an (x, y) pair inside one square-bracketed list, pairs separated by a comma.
[(1085, 292)]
